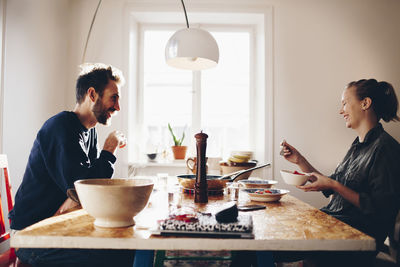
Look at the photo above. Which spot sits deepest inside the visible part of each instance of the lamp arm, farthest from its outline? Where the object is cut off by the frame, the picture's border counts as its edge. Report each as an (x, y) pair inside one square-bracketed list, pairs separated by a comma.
[(184, 10), (90, 30)]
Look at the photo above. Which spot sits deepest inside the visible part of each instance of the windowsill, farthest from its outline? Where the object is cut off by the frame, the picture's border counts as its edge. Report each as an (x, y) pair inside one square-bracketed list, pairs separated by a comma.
[(172, 167), (173, 163)]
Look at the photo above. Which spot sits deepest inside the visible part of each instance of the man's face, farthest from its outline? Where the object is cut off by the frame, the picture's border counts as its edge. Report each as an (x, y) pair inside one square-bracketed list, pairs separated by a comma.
[(107, 105)]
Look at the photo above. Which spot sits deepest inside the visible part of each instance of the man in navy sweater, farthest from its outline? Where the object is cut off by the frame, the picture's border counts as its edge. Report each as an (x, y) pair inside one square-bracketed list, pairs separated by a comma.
[(66, 150)]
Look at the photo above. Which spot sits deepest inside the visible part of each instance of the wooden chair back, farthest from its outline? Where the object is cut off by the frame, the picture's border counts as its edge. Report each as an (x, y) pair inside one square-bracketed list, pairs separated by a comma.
[(4, 234)]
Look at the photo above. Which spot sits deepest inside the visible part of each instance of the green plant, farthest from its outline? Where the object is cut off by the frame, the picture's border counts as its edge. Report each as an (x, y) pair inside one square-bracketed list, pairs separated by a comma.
[(177, 142)]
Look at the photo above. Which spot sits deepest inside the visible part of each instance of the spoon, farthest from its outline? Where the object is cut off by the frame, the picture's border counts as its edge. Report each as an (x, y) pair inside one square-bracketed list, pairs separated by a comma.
[(234, 175)]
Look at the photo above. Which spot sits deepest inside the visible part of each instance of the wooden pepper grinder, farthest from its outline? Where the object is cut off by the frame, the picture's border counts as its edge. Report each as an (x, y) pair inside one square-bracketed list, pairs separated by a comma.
[(201, 187)]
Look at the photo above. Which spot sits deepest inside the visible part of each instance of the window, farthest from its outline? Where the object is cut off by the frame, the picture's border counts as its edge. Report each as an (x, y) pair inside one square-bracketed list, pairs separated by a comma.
[(217, 101)]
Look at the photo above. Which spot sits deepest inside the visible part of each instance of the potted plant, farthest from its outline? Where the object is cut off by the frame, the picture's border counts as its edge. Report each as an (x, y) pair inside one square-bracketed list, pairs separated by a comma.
[(178, 150)]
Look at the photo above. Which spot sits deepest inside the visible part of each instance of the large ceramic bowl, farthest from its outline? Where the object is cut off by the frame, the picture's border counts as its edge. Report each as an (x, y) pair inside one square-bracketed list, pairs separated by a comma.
[(114, 202), (265, 195), (229, 167), (294, 179)]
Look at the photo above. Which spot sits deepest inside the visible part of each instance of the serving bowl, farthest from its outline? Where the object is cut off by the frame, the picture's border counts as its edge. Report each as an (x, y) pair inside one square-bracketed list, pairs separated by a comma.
[(261, 195), (230, 167), (114, 202), (258, 183), (294, 179)]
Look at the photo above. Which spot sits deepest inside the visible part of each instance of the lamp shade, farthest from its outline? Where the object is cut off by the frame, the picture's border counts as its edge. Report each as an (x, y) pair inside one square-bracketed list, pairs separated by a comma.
[(192, 49)]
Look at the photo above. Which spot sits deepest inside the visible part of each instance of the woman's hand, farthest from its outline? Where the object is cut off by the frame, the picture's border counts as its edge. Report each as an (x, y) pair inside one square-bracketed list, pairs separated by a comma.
[(319, 182), (290, 153)]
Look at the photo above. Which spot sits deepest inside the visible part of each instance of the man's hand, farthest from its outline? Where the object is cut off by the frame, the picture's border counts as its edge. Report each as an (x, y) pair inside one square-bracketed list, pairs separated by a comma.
[(115, 139), (66, 206)]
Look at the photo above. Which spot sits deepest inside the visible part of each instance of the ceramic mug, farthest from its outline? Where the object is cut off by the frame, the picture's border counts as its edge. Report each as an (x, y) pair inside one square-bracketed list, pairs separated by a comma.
[(191, 163)]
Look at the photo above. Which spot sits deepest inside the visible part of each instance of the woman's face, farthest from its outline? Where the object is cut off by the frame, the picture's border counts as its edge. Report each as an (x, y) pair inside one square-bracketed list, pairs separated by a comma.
[(352, 109)]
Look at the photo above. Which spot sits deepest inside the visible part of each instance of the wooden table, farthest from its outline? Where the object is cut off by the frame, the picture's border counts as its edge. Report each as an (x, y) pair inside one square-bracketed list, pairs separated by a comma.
[(286, 225)]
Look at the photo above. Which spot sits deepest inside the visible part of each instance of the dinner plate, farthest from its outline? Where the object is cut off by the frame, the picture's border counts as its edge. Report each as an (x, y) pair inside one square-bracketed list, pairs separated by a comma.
[(275, 194)]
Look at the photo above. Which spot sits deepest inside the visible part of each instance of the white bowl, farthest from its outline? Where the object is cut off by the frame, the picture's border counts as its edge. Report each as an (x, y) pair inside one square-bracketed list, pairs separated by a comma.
[(258, 183), (294, 179), (274, 195), (114, 202)]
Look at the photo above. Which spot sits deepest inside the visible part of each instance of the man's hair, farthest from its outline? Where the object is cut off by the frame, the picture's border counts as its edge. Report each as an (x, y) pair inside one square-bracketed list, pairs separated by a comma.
[(97, 76)]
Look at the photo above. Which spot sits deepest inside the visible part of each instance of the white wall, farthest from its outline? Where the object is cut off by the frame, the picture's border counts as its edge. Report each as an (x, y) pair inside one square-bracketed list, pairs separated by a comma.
[(35, 74), (106, 46), (319, 46)]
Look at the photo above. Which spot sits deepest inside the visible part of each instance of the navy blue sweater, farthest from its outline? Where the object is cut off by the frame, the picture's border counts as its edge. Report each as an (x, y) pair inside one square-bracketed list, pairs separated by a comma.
[(64, 151)]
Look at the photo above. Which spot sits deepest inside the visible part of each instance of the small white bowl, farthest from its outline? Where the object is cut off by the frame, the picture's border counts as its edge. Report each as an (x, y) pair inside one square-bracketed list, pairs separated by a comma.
[(258, 183), (294, 179), (114, 202)]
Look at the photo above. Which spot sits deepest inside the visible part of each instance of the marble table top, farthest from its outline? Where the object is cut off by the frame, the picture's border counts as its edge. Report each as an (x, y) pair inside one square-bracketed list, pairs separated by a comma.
[(289, 224)]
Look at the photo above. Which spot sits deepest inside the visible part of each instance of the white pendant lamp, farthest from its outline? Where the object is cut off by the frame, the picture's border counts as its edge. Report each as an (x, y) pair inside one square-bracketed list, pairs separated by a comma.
[(191, 49)]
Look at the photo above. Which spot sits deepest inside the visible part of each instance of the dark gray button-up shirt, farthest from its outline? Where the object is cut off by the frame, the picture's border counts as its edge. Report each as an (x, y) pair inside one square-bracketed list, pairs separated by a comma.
[(372, 169)]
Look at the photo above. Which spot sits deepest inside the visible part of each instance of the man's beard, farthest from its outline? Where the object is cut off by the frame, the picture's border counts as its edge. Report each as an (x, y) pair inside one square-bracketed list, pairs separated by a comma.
[(101, 113)]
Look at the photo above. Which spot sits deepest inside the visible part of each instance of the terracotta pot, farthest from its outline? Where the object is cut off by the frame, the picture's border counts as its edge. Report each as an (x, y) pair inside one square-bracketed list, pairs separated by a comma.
[(179, 151)]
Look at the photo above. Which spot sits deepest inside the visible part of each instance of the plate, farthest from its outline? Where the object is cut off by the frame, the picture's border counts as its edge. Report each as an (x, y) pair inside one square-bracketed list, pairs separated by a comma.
[(258, 183), (275, 194)]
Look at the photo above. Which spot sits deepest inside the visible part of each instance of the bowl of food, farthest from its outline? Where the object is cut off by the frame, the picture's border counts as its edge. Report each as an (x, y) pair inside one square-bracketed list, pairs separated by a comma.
[(294, 177), (265, 195), (257, 183), (228, 167), (114, 202)]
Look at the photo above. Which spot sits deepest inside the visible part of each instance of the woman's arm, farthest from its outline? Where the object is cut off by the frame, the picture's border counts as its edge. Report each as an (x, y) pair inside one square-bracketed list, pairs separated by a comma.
[(323, 183), (293, 155)]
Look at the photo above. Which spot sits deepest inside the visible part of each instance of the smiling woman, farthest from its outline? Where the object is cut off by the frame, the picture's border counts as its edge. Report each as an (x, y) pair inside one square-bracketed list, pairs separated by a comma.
[(365, 186)]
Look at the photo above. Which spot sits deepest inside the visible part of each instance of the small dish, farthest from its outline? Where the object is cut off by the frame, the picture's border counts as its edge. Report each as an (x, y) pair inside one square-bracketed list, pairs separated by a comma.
[(261, 195), (258, 183), (152, 156)]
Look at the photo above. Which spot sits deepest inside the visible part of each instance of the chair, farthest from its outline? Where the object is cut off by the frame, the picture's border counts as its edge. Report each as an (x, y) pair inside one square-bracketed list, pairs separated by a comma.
[(390, 255), (7, 258)]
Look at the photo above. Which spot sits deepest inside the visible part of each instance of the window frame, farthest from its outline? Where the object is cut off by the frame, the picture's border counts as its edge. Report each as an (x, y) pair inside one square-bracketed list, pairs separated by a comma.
[(255, 13), (197, 77)]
